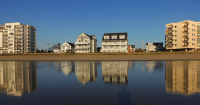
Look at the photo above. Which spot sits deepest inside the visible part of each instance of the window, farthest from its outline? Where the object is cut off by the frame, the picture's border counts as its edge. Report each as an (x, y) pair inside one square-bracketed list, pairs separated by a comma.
[(192, 43), (175, 40), (106, 37), (175, 35), (192, 29), (8, 26), (86, 40), (121, 36), (175, 44), (114, 37), (198, 25), (192, 34), (175, 26), (198, 30), (175, 30), (192, 39), (198, 35), (198, 44), (111, 46), (198, 40)]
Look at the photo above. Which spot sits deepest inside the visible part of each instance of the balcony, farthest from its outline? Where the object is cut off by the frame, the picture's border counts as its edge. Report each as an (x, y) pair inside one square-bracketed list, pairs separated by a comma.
[(185, 37), (168, 34), (168, 38), (185, 27), (184, 45), (185, 32), (114, 43), (82, 43), (185, 41), (169, 29), (18, 42), (168, 46), (82, 47)]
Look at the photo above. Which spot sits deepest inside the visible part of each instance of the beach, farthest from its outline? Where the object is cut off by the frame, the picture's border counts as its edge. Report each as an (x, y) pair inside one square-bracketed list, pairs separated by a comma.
[(145, 57)]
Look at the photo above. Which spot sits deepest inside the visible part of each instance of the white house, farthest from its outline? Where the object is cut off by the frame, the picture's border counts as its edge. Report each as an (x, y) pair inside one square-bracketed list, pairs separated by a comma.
[(67, 47), (153, 47), (115, 42), (86, 44)]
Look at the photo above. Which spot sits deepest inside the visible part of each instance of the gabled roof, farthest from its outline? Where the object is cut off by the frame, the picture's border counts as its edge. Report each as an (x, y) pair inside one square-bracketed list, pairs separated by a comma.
[(71, 44), (113, 34), (90, 36)]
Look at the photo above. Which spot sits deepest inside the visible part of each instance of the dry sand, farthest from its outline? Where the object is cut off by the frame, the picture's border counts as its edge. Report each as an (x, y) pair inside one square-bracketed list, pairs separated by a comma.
[(100, 57)]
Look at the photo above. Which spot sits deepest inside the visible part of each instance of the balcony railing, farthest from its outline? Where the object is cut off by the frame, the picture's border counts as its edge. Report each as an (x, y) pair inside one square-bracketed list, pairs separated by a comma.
[(185, 27), (185, 41), (82, 51), (82, 43), (184, 45), (82, 47)]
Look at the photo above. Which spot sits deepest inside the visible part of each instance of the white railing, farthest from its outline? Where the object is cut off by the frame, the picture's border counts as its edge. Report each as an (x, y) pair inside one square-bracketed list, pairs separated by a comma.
[(81, 42)]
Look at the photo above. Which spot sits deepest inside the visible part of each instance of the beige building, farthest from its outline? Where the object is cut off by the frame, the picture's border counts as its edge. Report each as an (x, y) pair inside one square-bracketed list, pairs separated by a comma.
[(86, 44), (85, 71), (182, 77), (17, 78), (115, 71), (183, 35), (17, 38)]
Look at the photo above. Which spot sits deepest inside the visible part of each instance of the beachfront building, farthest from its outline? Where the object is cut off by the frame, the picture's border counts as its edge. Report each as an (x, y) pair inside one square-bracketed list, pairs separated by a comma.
[(86, 44), (154, 47), (115, 42), (67, 47), (183, 36), (17, 38), (131, 48)]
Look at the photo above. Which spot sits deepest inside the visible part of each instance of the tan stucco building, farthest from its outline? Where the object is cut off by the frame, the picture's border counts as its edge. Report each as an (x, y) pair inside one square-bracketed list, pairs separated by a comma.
[(17, 38), (183, 36)]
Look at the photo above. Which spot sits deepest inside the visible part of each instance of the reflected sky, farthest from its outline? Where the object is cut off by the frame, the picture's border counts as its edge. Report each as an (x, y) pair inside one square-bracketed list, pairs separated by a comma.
[(99, 82)]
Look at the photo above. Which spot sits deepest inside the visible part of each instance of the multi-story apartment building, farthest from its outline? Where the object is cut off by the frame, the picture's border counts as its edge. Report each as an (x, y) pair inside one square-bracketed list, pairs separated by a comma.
[(86, 44), (115, 42), (17, 38), (182, 77), (154, 47), (183, 35)]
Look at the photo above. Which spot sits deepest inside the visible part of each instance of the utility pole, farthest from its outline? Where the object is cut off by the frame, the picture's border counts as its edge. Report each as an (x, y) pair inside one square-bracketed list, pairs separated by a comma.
[(143, 45), (47, 47)]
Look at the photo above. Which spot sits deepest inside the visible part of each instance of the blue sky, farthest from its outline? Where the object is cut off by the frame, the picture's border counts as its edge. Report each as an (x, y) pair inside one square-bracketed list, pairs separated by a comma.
[(59, 21)]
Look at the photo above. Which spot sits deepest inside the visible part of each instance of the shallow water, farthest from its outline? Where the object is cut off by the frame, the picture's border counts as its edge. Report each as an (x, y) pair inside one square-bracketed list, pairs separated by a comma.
[(99, 82)]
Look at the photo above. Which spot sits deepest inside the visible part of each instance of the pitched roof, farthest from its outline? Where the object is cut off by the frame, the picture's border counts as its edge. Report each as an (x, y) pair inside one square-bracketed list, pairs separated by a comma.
[(117, 34)]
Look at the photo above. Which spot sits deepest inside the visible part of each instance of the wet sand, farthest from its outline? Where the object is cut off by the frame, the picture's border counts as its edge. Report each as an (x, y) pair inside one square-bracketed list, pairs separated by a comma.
[(100, 57)]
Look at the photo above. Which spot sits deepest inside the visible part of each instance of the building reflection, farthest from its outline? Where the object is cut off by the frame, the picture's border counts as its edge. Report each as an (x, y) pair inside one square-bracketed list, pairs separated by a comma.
[(182, 77), (17, 78), (115, 71), (86, 71), (154, 66), (65, 66)]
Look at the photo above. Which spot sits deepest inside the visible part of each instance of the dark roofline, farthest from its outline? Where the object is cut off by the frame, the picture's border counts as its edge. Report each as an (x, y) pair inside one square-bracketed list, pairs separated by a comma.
[(111, 34)]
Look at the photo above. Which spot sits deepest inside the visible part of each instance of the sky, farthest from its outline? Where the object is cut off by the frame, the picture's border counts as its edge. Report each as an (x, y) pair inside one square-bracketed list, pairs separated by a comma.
[(59, 21)]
